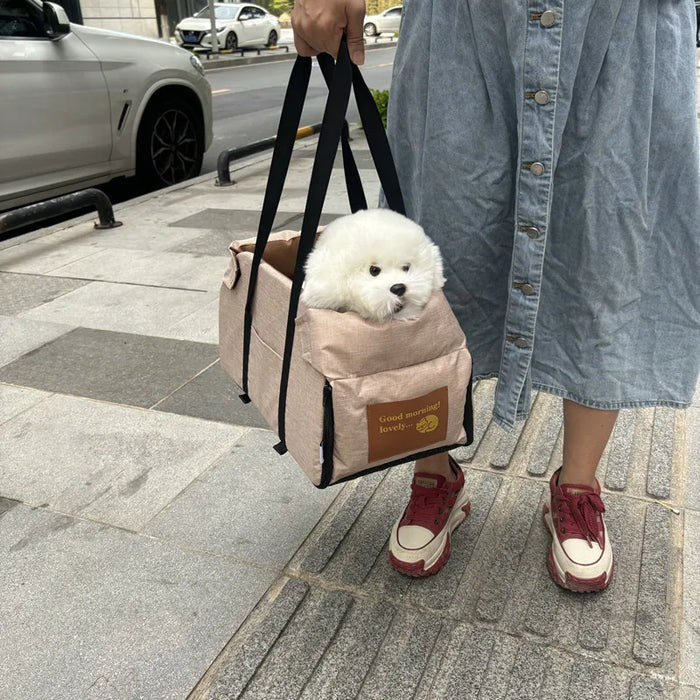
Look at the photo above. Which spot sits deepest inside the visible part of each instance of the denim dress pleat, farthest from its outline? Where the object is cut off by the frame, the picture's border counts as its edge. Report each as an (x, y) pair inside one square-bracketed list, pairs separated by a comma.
[(550, 148)]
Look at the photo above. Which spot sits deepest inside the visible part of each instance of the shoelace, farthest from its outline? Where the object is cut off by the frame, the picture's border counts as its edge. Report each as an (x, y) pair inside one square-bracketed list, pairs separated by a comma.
[(581, 511), (425, 504)]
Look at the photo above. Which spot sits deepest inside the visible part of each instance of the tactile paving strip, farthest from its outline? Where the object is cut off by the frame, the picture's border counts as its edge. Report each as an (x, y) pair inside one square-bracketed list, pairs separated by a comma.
[(343, 624)]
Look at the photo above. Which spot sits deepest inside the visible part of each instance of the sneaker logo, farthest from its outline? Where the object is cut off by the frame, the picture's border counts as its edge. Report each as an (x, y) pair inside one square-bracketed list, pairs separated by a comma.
[(426, 483), (427, 424)]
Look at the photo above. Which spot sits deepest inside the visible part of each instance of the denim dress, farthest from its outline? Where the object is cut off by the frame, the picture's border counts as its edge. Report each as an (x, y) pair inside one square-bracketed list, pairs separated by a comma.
[(550, 148)]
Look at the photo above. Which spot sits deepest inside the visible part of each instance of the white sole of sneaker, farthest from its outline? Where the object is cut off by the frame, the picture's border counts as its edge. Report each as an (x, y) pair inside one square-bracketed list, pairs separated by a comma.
[(431, 558)]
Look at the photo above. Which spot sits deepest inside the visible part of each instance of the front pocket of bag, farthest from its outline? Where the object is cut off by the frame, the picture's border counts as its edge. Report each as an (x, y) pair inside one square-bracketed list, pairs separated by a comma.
[(386, 416)]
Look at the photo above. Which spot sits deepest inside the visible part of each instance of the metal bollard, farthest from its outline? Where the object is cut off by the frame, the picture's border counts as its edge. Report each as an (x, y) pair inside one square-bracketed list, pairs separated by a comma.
[(35, 213), (225, 157)]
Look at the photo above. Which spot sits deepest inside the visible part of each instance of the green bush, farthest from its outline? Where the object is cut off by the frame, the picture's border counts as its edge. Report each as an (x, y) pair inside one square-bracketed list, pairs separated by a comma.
[(381, 99)]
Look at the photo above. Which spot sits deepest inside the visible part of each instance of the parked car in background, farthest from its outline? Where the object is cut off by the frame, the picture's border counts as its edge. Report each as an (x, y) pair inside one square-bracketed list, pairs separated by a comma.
[(237, 26), (387, 21), (81, 106)]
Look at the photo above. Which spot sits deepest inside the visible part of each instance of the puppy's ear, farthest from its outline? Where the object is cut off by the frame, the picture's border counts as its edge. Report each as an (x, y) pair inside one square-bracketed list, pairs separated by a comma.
[(438, 271)]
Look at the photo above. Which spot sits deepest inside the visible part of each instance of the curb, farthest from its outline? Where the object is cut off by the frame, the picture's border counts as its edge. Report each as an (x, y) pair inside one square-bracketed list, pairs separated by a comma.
[(226, 61)]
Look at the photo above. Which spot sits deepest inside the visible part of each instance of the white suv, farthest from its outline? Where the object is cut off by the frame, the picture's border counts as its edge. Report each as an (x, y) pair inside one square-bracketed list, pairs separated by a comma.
[(81, 106)]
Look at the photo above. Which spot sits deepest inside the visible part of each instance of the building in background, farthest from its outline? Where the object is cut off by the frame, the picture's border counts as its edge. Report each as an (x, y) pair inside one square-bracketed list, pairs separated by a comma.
[(157, 18)]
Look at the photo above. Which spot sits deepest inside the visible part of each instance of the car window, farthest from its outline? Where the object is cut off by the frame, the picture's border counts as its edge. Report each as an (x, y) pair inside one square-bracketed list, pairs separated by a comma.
[(219, 12), (257, 12), (248, 13), (20, 19), (395, 12)]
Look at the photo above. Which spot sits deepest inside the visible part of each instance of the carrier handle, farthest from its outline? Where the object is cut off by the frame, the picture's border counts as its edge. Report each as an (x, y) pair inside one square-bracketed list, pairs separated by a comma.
[(345, 76)]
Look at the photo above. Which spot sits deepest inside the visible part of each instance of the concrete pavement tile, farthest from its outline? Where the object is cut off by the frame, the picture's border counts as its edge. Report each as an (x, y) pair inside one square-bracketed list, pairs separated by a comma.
[(97, 613), (646, 688), (42, 255), (692, 459), (19, 336), (650, 627), (689, 671), (366, 540), (661, 453), (259, 506), (143, 229), (483, 400), (348, 658), (15, 400), (6, 505), (335, 525), (238, 662), (688, 692), (464, 663), (592, 680), (512, 533), (202, 326), (619, 452), (21, 292), (110, 463), (123, 307), (545, 443), (151, 268), (236, 224), (405, 651), (291, 661), (215, 396), (135, 370)]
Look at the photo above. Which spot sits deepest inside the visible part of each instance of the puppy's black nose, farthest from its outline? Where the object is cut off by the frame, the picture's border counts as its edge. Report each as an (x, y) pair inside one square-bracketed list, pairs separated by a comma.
[(398, 289)]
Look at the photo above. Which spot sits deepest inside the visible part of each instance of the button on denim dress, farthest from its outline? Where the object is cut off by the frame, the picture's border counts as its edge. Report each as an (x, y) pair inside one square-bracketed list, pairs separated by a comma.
[(550, 148)]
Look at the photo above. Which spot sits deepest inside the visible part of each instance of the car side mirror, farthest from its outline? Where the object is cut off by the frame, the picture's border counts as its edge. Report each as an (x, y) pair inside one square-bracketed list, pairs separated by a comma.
[(55, 20)]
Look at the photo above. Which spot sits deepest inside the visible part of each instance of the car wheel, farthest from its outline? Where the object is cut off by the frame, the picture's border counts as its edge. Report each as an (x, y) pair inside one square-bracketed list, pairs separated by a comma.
[(170, 144), (272, 39), (370, 29), (231, 42)]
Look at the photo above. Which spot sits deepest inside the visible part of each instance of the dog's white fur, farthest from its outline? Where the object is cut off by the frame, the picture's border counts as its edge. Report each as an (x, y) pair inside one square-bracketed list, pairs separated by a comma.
[(359, 258)]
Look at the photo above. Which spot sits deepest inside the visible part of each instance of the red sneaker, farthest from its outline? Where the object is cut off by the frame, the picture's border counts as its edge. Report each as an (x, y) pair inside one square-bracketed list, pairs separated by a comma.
[(420, 540), (580, 556)]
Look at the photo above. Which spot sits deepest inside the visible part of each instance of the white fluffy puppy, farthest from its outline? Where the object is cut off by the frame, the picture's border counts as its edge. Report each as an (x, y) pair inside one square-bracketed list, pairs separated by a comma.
[(376, 263)]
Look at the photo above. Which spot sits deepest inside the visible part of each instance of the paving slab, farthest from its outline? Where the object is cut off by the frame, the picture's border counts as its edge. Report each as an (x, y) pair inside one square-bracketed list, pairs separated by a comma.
[(152, 268), (690, 642), (215, 396), (492, 624), (126, 308), (19, 292), (20, 336), (15, 400), (94, 612), (135, 370), (260, 506), (110, 463)]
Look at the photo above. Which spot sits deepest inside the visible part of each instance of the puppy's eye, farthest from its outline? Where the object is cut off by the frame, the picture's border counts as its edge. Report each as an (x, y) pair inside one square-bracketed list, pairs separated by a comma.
[(374, 270), (406, 267)]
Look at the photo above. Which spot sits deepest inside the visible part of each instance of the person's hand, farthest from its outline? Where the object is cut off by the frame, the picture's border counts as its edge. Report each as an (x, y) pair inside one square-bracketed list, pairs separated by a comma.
[(319, 25)]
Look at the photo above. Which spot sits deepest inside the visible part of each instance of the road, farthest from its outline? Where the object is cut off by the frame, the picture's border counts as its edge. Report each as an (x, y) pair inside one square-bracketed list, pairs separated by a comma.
[(248, 99)]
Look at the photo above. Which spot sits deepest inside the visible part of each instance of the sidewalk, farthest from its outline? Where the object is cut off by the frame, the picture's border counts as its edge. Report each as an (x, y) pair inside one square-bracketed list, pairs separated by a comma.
[(153, 544)]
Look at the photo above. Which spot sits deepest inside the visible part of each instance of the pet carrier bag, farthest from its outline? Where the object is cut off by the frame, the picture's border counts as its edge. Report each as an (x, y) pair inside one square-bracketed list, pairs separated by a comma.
[(345, 395)]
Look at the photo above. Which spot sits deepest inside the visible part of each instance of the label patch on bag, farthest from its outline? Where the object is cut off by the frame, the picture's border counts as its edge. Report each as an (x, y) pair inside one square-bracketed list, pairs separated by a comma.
[(406, 426)]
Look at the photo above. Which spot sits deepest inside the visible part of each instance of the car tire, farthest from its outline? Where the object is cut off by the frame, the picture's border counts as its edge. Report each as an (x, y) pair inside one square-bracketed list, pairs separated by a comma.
[(272, 39), (170, 143), (370, 29), (231, 42)]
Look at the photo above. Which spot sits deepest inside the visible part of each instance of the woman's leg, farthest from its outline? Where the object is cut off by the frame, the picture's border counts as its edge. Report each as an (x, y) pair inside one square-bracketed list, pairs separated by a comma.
[(586, 433)]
